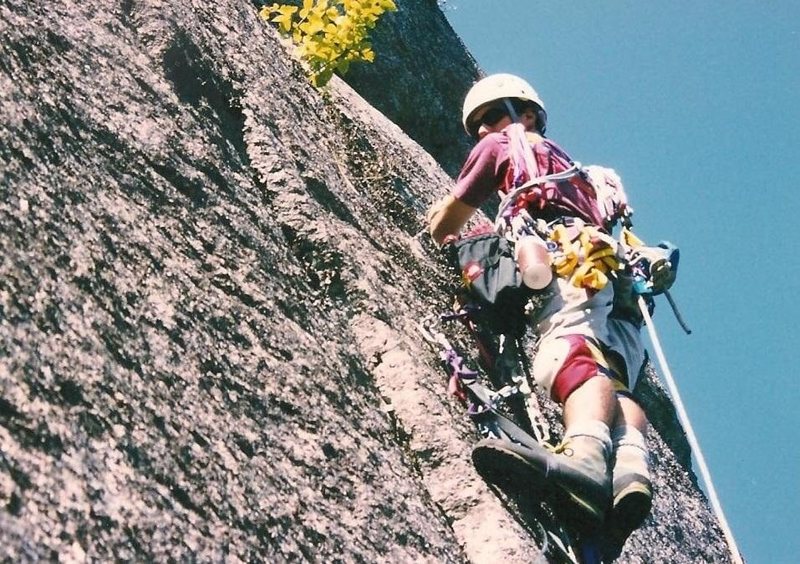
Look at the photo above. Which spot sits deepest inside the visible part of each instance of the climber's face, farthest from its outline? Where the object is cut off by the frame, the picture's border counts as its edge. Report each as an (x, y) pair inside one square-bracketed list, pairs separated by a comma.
[(527, 117), (493, 118)]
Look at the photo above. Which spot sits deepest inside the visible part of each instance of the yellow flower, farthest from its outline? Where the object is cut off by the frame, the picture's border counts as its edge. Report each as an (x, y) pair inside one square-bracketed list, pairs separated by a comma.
[(284, 17), (329, 34)]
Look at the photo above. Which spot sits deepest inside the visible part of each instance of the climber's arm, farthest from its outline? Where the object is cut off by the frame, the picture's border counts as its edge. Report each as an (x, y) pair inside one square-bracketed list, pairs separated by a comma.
[(447, 217)]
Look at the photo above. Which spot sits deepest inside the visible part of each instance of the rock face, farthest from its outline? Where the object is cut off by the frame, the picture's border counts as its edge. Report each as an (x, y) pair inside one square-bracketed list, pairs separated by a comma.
[(419, 79), (210, 283)]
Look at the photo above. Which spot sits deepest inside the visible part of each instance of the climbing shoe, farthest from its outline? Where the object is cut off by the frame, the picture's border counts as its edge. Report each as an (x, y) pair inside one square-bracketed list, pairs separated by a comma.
[(578, 468), (633, 498), (510, 465)]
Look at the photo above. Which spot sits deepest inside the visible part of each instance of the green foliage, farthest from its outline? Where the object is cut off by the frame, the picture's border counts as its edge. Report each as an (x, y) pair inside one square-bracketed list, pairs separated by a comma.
[(329, 34)]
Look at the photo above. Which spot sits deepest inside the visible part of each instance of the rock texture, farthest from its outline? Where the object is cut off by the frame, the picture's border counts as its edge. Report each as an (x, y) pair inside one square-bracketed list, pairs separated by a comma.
[(210, 279), (419, 79)]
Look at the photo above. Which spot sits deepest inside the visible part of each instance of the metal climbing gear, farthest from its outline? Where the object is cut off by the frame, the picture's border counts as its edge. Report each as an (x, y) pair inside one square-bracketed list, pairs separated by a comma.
[(485, 405), (587, 257), (653, 268)]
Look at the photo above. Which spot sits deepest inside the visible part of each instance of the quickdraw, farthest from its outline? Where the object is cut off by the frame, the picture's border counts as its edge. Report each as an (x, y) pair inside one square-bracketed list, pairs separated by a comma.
[(485, 404)]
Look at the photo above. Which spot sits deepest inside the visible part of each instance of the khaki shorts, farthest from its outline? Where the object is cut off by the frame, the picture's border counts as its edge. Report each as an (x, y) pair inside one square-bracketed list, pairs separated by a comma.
[(578, 341)]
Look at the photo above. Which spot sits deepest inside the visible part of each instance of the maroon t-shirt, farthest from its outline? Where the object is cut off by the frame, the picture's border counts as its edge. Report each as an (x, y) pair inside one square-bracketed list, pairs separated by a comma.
[(485, 170), (488, 169)]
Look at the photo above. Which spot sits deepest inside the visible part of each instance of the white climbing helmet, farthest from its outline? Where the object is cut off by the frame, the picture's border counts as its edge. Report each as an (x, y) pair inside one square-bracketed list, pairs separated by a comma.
[(496, 87)]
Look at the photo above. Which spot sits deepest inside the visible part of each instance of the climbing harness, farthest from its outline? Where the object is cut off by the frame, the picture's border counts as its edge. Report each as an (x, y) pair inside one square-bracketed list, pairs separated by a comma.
[(582, 253)]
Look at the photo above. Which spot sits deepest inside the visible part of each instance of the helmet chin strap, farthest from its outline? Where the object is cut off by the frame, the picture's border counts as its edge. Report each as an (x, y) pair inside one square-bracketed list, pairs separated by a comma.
[(511, 111)]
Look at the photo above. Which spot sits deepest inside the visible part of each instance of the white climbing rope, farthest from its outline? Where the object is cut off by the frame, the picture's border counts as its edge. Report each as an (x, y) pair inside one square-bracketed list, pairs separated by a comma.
[(687, 426)]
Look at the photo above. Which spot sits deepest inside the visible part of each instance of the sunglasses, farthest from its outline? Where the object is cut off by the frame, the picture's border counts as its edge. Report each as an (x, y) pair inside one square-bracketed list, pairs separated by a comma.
[(489, 117)]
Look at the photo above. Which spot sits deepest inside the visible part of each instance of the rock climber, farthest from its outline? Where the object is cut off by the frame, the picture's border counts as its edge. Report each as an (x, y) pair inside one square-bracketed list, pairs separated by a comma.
[(586, 358)]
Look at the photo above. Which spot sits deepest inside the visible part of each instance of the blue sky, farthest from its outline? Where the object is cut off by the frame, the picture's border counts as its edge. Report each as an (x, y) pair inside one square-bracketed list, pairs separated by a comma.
[(696, 106)]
